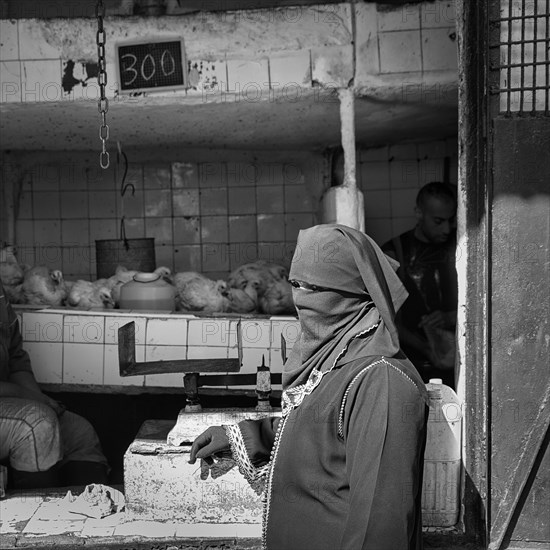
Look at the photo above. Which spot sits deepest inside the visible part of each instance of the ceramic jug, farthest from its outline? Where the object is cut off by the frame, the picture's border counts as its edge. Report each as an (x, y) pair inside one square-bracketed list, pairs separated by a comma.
[(148, 291)]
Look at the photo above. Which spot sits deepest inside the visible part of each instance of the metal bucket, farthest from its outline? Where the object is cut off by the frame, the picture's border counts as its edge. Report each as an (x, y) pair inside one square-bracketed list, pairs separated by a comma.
[(137, 254)]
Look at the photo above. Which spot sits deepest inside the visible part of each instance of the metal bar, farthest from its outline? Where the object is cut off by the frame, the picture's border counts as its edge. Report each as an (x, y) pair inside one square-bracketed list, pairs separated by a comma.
[(126, 347), (518, 17), (235, 379), (523, 467), (522, 65), (509, 58), (547, 56), (182, 366), (474, 183), (496, 45), (523, 115), (534, 61), (129, 367), (227, 380), (239, 342), (522, 73), (518, 89)]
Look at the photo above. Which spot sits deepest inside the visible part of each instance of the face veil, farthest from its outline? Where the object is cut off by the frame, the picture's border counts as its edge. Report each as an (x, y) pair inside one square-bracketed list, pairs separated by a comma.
[(357, 296)]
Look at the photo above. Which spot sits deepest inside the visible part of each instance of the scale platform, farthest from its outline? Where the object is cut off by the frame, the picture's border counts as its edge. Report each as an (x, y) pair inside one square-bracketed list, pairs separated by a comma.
[(161, 485), (159, 482)]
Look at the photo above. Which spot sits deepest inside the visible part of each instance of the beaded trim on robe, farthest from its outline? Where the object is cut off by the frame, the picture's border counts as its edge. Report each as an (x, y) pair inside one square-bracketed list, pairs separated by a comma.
[(256, 477), (355, 379), (269, 484), (293, 397)]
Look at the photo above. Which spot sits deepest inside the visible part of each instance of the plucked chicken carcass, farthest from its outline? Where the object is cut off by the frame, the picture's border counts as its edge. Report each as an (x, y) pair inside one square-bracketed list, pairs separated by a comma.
[(195, 292), (271, 281), (242, 300), (277, 299), (43, 286), (259, 272), (114, 282), (87, 294)]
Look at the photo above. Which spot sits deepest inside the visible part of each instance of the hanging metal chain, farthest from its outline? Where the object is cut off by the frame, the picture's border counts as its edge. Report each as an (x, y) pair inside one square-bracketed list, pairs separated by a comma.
[(103, 103)]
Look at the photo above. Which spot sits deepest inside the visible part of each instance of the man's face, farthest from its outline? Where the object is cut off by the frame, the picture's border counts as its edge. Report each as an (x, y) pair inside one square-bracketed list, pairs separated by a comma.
[(436, 219)]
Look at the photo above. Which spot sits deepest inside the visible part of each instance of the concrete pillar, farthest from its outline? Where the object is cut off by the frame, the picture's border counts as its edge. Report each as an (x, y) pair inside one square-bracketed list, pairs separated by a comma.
[(344, 203)]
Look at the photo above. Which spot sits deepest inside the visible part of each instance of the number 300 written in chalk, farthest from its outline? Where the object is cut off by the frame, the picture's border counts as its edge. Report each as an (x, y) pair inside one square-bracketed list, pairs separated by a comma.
[(146, 66)]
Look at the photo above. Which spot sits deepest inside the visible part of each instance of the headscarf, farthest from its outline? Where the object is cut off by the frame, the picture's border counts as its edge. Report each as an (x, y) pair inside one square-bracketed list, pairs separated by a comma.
[(360, 307)]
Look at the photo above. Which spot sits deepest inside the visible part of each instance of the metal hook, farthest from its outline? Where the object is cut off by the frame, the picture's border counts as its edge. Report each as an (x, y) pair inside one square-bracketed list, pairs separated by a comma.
[(123, 235), (124, 188)]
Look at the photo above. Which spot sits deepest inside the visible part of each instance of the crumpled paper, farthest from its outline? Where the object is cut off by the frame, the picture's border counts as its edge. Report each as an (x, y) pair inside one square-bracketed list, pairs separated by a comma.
[(96, 501)]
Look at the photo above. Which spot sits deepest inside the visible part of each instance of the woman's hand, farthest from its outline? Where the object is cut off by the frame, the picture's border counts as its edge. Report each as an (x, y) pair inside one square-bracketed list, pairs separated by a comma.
[(212, 441)]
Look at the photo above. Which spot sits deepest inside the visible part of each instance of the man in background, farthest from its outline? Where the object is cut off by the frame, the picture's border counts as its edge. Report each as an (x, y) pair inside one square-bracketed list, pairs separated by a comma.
[(426, 254), (44, 444)]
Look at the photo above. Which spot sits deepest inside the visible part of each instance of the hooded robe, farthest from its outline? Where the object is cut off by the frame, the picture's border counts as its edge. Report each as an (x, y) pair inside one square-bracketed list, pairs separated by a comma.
[(342, 468)]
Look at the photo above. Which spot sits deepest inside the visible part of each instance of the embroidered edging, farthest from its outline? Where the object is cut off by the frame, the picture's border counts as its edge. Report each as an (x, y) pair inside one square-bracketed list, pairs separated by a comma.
[(254, 476)]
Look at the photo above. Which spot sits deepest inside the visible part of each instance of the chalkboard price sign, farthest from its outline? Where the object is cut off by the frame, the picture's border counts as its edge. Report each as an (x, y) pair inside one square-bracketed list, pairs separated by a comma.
[(151, 66)]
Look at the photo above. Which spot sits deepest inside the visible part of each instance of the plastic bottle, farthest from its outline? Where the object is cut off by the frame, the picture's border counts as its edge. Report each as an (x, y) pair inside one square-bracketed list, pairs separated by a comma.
[(442, 458)]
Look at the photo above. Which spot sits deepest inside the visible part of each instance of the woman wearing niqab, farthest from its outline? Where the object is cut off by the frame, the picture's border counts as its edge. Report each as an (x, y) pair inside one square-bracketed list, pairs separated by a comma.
[(342, 467)]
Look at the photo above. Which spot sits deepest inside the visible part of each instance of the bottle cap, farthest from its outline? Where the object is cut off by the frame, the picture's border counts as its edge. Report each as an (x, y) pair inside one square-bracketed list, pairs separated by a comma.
[(436, 381)]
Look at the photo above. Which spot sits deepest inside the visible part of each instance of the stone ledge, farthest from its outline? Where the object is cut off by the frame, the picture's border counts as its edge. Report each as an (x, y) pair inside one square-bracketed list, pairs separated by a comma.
[(7, 541), (131, 543), (434, 539), (48, 541)]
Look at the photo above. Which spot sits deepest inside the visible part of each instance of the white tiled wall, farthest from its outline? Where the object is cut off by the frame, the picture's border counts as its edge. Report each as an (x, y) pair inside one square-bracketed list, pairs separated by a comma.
[(316, 48), (417, 37), (233, 212), (82, 349), (160, 331), (391, 176), (49, 357), (209, 216), (9, 45), (83, 363), (43, 327), (215, 67)]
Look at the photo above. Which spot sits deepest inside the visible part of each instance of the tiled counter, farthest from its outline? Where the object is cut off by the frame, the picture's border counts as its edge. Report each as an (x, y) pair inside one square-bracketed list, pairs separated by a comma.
[(73, 347)]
